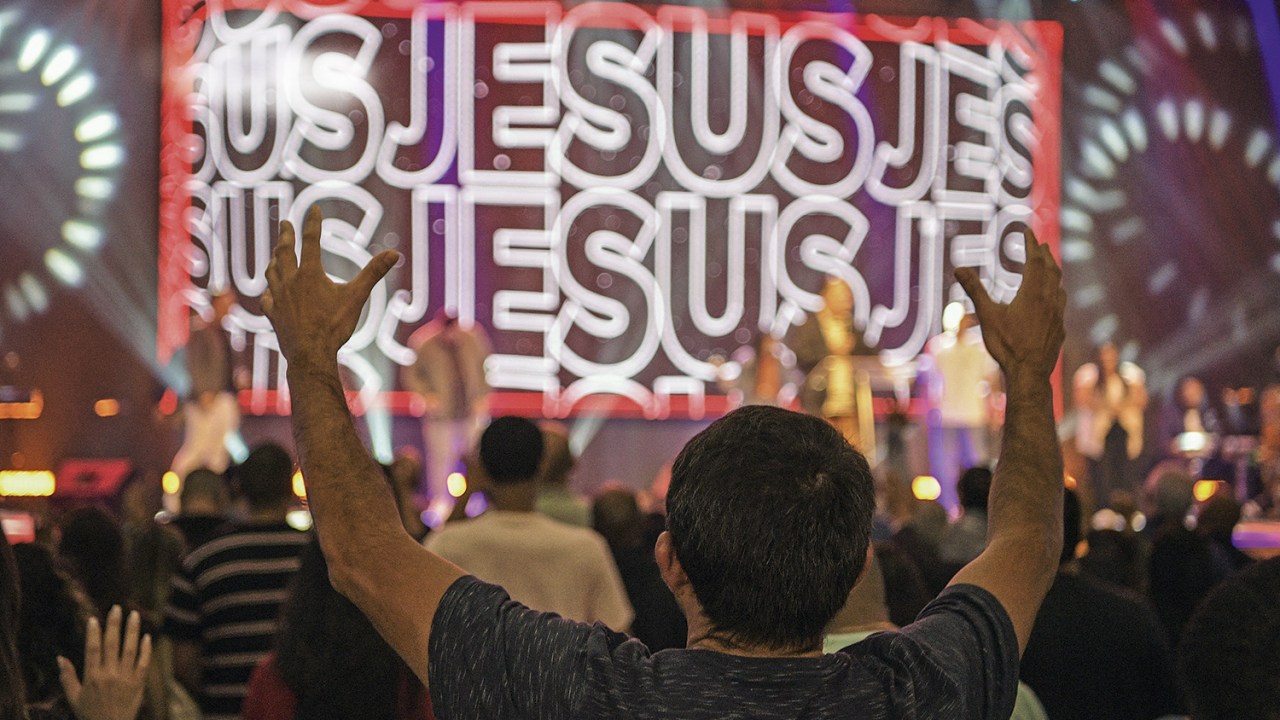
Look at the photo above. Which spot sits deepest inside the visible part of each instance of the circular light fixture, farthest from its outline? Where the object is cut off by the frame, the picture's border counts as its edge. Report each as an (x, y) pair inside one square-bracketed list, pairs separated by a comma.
[(48, 86), (1136, 115)]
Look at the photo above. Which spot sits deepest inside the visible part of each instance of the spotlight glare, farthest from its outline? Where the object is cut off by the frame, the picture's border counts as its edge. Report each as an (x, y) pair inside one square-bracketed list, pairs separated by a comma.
[(81, 234), (96, 126), (101, 156), (33, 49), (60, 63), (1193, 119), (1167, 114), (95, 188), (76, 89), (37, 298), (299, 485), (1259, 143), (17, 102), (64, 267), (10, 141), (171, 483), (1136, 129), (17, 304)]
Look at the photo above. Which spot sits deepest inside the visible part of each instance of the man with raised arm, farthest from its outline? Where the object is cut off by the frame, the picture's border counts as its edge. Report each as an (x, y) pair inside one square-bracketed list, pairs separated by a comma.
[(769, 515)]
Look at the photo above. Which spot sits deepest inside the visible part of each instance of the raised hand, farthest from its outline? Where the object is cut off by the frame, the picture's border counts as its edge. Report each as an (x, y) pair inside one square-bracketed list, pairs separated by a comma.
[(114, 677), (313, 316), (1024, 336)]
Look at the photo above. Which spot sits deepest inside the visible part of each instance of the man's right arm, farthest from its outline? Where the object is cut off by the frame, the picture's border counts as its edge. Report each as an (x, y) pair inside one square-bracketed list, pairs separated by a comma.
[(372, 559), (1024, 537)]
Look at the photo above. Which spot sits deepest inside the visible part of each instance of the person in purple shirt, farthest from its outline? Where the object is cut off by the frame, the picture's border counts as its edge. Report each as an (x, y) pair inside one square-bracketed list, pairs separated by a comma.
[(769, 515)]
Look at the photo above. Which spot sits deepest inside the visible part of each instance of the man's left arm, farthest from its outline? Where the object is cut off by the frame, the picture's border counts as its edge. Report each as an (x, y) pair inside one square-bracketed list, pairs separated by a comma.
[(372, 560)]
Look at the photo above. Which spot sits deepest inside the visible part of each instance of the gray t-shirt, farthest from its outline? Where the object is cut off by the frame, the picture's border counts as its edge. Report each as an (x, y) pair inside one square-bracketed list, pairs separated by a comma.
[(493, 659)]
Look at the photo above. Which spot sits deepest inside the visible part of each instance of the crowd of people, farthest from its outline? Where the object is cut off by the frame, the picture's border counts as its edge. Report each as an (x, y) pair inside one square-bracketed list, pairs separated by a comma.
[(774, 581)]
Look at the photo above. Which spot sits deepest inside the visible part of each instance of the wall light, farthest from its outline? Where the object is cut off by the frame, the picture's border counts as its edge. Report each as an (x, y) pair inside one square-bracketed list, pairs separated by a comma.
[(27, 483)]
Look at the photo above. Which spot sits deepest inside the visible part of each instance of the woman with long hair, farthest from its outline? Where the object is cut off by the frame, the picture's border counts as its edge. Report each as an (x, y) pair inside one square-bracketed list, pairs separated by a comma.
[(329, 662), (1110, 402)]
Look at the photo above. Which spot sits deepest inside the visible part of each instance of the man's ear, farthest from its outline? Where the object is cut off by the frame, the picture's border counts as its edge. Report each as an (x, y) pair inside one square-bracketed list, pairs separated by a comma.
[(866, 564), (664, 552)]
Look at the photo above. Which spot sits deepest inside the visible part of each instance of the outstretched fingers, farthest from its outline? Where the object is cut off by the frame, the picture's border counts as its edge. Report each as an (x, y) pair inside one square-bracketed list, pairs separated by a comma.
[(372, 273), (311, 227), (971, 281)]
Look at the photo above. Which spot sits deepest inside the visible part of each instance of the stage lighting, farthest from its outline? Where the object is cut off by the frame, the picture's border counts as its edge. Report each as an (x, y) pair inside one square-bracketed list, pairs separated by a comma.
[(106, 407), (1205, 489), (299, 485), (457, 484), (48, 104), (77, 89), (926, 487), (299, 520), (171, 483), (33, 49), (59, 65), (64, 267), (26, 483), (81, 234)]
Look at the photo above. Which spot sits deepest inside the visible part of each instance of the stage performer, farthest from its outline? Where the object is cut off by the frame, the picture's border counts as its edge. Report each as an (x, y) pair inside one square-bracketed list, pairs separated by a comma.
[(961, 377), (828, 349), (211, 411), (1110, 398), (448, 377)]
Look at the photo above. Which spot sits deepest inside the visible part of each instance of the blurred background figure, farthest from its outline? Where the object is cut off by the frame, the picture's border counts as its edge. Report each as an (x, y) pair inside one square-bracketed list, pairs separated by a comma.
[(965, 538), (1229, 658), (51, 625), (329, 662), (555, 498), (1180, 569), (448, 377), (658, 622), (405, 475), (828, 346), (211, 411), (961, 378), (1096, 653), (1189, 411), (92, 549), (543, 563), (1110, 400), (225, 601), (203, 506)]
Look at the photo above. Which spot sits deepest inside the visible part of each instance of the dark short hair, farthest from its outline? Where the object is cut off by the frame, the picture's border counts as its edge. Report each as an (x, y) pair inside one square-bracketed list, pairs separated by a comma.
[(1229, 658), (1071, 517), (204, 483), (511, 450), (266, 476), (770, 515), (974, 487)]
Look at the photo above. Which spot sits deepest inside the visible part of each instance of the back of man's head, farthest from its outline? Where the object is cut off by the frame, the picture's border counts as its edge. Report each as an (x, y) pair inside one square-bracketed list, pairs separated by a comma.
[(266, 477), (1174, 495), (511, 450), (204, 492), (616, 515), (770, 516), (1230, 657), (973, 488)]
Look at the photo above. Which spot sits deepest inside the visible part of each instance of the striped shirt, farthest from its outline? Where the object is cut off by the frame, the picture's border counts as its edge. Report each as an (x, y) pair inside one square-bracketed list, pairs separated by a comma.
[(227, 597)]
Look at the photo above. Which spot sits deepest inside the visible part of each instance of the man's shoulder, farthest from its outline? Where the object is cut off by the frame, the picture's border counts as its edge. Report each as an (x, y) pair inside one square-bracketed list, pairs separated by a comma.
[(240, 542)]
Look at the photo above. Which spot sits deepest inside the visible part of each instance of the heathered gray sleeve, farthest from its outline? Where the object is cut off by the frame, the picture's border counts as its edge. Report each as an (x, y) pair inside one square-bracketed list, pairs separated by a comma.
[(491, 658)]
